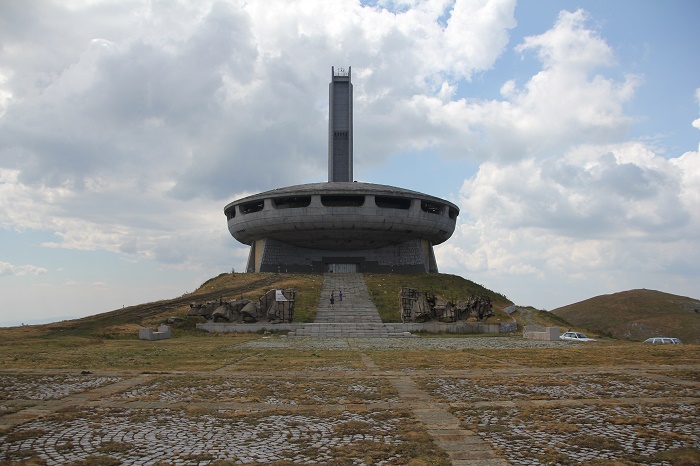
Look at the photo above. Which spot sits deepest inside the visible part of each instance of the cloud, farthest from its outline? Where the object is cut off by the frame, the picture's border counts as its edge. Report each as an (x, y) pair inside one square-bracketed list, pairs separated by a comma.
[(565, 103), (609, 191), (132, 134), (616, 211), (126, 126), (562, 198), (18, 270), (225, 92)]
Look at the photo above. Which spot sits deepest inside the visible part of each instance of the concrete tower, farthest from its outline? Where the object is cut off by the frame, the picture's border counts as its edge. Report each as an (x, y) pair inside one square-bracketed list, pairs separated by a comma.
[(341, 225), (340, 126)]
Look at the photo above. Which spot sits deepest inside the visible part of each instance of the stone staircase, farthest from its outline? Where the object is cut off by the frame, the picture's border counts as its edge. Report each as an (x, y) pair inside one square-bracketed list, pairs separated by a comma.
[(353, 317)]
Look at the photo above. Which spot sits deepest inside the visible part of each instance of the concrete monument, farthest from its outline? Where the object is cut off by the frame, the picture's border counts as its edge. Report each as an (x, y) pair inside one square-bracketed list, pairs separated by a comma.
[(341, 225)]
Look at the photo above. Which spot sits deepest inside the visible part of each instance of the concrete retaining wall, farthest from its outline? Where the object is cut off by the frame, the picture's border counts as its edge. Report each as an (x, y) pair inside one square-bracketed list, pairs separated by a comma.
[(430, 327), (146, 333), (533, 332)]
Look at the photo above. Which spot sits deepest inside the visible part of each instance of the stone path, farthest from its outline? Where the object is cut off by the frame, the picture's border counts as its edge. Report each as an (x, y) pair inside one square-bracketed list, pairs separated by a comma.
[(355, 316), (464, 447)]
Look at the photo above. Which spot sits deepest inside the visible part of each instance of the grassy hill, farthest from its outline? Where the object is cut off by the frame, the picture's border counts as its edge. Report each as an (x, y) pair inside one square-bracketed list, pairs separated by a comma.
[(226, 286), (384, 290), (637, 315), (630, 315)]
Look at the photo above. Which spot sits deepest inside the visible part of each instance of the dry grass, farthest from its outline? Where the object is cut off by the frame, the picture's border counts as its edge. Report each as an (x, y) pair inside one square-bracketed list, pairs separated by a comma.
[(598, 354), (212, 352), (680, 456), (16, 436), (308, 288), (271, 390), (302, 360), (433, 359), (691, 375), (189, 353)]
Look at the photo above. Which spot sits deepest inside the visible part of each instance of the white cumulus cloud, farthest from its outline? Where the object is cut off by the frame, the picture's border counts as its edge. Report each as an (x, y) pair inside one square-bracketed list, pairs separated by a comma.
[(9, 269)]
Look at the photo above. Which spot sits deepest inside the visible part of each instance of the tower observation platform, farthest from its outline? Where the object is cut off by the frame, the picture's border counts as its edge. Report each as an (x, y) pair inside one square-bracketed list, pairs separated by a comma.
[(341, 225)]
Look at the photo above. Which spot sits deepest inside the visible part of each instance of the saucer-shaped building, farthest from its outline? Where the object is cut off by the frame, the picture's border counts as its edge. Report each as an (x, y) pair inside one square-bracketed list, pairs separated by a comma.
[(341, 225)]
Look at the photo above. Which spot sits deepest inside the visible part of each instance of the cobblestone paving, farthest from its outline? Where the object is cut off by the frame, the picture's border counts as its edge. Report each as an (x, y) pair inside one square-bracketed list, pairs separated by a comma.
[(48, 387), (139, 436), (552, 387), (270, 390), (638, 434), (258, 411)]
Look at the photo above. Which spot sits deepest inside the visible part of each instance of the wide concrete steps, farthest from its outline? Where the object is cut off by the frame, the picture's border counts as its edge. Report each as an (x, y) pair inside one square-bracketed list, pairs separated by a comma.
[(355, 307), (344, 314), (355, 316), (349, 330)]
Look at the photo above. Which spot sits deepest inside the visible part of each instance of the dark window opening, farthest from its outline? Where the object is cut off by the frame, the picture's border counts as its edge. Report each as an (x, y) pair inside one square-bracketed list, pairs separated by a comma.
[(342, 201), (294, 202), (453, 213), (340, 134), (250, 207), (431, 207), (230, 213), (387, 202)]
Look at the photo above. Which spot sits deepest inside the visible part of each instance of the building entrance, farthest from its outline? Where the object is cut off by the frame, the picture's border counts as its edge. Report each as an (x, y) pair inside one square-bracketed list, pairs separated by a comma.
[(342, 268)]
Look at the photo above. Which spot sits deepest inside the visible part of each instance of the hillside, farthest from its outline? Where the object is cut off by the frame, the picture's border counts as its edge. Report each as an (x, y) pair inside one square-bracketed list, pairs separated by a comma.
[(225, 286), (384, 289), (637, 315)]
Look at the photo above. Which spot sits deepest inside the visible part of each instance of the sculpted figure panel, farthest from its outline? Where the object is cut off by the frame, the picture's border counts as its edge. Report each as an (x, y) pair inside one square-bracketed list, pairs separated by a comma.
[(424, 306), (275, 306)]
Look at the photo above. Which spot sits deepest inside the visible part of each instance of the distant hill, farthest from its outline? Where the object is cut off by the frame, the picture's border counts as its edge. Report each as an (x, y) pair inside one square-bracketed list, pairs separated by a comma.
[(637, 315)]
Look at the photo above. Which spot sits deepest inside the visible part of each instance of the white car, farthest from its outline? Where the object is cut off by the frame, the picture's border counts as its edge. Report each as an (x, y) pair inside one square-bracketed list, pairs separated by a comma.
[(662, 341), (575, 336)]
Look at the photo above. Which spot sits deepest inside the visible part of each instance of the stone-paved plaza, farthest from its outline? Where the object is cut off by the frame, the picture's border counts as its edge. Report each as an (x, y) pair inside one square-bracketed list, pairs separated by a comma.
[(356, 401)]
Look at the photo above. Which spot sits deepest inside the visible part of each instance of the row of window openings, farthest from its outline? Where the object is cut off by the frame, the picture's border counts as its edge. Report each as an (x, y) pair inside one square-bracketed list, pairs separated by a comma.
[(341, 201)]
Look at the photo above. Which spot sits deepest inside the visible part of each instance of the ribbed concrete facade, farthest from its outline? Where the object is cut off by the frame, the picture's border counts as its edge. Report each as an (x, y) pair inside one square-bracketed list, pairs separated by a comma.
[(348, 227), (269, 255)]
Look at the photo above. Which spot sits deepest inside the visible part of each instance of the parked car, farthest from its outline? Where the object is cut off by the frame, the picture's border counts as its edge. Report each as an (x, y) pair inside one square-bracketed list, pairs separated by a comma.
[(575, 336), (662, 341)]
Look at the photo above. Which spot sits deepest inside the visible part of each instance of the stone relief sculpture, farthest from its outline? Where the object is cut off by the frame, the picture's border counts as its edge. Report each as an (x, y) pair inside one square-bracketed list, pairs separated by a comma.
[(424, 306), (274, 307)]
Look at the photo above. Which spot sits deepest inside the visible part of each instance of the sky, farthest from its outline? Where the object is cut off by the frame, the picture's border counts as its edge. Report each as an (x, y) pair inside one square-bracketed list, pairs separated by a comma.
[(566, 131)]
